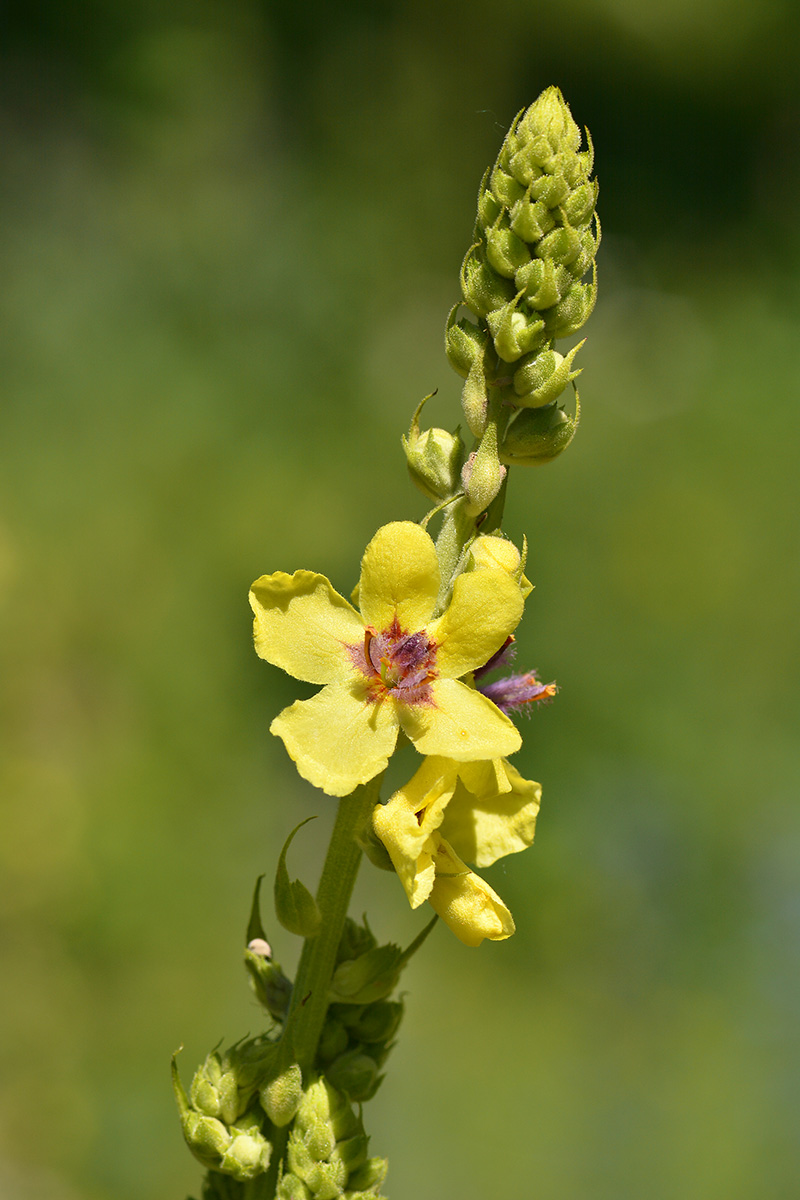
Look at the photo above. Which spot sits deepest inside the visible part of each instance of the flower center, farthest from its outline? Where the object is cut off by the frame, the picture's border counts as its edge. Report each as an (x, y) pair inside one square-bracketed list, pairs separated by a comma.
[(397, 662)]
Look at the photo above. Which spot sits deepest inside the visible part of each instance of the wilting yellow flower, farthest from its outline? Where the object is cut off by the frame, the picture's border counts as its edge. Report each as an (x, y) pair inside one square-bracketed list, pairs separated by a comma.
[(391, 667), (450, 812)]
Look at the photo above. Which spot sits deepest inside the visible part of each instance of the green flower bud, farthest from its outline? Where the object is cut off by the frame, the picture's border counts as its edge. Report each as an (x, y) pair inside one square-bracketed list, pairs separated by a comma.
[(543, 283), (435, 458), (355, 1074), (379, 1022), (541, 378), (333, 1041), (353, 1151), (249, 1152), (515, 331), (531, 219), (464, 343), (504, 250), (572, 311), (505, 188), (475, 399), (214, 1090), (319, 1141), (482, 478), (327, 1180), (369, 1177), (273, 990), (489, 209), (483, 289), (355, 940), (207, 1138), (538, 435), (579, 205), (318, 1102), (562, 245), (291, 1187), (280, 1098)]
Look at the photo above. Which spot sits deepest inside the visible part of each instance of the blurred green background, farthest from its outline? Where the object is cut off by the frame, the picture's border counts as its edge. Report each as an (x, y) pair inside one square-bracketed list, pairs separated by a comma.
[(231, 234)]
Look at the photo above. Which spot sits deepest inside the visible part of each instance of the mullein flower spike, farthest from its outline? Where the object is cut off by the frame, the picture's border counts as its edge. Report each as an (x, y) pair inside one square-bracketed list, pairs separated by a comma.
[(536, 237)]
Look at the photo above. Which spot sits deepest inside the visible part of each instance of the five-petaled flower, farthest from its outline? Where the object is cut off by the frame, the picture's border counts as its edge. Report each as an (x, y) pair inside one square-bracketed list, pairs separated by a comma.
[(393, 666), (451, 813)]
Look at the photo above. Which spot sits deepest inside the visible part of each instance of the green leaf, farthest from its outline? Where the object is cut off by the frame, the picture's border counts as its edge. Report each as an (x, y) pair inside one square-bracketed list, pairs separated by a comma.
[(295, 907)]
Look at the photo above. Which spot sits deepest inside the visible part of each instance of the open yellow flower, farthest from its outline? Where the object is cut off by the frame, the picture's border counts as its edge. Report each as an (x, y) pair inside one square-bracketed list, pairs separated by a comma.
[(392, 666), (449, 812)]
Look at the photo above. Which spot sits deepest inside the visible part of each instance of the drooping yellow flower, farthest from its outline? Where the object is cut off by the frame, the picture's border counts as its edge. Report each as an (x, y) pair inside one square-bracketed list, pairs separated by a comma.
[(392, 666), (450, 812)]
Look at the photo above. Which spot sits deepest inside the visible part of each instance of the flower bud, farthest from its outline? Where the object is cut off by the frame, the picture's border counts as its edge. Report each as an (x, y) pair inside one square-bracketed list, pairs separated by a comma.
[(492, 551), (249, 1152), (541, 378), (355, 1074), (515, 330), (464, 342), (273, 990), (537, 435), (434, 458), (379, 1022), (531, 219), (291, 1187), (280, 1098), (572, 311), (214, 1091), (505, 251), (475, 399), (333, 1041), (370, 1176), (355, 940), (543, 283), (482, 477), (482, 288)]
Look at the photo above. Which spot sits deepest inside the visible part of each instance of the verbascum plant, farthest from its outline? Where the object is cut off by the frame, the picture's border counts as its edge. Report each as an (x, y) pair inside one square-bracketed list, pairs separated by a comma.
[(418, 661)]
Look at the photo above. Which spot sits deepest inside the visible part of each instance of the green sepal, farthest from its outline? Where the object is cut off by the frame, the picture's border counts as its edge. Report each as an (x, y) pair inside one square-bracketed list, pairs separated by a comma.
[(373, 975), (295, 907)]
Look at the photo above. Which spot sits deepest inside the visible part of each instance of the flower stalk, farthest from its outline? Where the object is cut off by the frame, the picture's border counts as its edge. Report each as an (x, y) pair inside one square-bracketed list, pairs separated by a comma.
[(403, 664)]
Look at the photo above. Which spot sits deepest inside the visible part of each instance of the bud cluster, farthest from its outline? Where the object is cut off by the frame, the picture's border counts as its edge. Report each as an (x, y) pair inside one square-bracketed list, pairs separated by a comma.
[(361, 1023), (535, 240), (223, 1124), (326, 1155)]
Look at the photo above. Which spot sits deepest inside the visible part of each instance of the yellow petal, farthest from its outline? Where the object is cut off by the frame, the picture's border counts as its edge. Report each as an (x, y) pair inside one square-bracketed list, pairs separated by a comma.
[(465, 902), (303, 626), (486, 607), (486, 826), (337, 739), (460, 723), (399, 576), (396, 825)]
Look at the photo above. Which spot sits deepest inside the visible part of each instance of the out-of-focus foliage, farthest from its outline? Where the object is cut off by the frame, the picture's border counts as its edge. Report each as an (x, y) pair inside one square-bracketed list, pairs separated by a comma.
[(231, 235)]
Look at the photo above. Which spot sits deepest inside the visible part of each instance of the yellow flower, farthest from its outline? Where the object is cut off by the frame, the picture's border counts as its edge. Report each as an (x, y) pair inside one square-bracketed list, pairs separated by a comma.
[(450, 811), (391, 667)]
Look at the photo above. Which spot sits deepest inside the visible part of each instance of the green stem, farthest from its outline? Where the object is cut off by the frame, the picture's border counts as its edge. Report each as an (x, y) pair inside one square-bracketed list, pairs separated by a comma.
[(318, 959), (309, 1003)]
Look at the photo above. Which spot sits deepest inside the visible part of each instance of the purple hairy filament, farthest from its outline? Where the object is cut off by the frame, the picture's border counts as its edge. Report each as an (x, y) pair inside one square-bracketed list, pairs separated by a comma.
[(397, 663), (516, 692)]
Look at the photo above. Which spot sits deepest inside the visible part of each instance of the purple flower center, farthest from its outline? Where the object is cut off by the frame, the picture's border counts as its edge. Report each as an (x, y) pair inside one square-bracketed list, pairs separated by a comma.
[(397, 663)]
